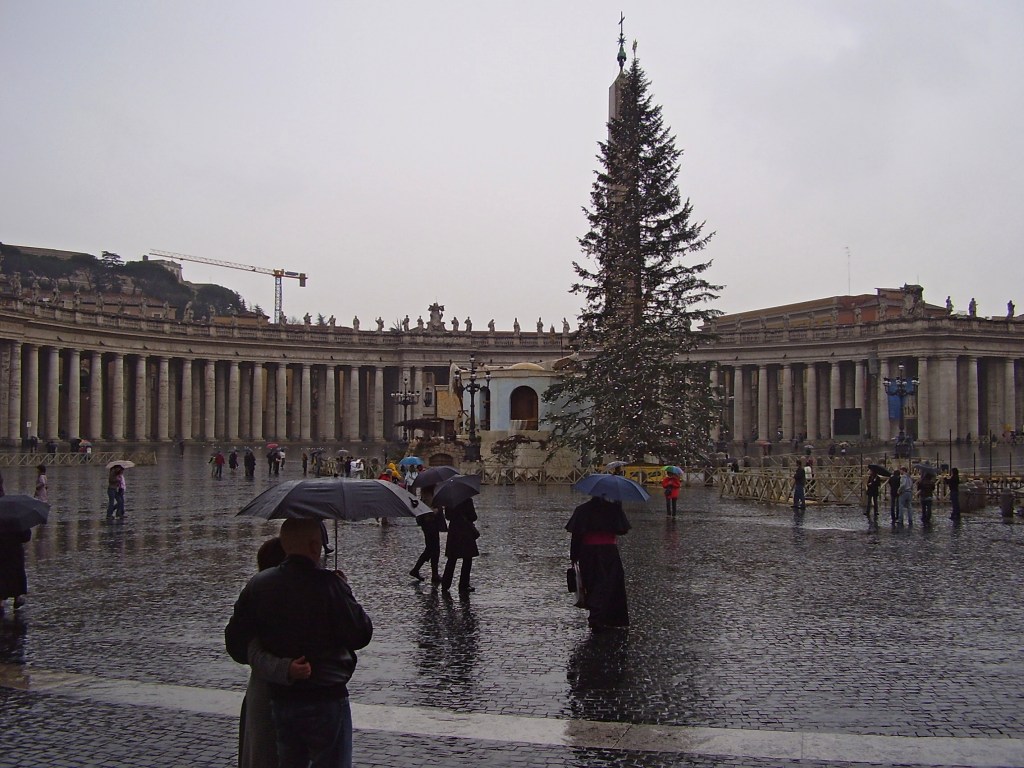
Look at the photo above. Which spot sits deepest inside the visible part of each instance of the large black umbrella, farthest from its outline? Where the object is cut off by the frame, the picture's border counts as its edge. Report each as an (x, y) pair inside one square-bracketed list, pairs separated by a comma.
[(880, 470), (455, 490), (613, 487), (428, 478), (19, 512), (328, 498)]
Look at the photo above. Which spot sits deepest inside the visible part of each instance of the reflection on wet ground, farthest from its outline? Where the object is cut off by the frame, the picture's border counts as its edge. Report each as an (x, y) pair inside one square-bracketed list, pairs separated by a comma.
[(744, 617)]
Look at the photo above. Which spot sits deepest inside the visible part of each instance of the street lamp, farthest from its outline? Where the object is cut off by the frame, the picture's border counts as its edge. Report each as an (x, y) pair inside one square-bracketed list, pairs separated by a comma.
[(405, 397), (473, 450), (901, 387)]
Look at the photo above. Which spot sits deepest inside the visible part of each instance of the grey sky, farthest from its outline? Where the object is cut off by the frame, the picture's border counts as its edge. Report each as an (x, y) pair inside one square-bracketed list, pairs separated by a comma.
[(406, 152)]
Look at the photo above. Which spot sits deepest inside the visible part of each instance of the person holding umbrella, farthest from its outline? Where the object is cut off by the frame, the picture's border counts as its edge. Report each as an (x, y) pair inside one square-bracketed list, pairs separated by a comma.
[(115, 491), (433, 525), (671, 485), (594, 526), (874, 485), (460, 545), (41, 492), (18, 513)]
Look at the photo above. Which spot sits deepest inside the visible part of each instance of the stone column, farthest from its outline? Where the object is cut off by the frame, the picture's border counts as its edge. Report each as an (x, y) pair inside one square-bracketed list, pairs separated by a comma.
[(860, 377), (163, 399), (233, 403), (95, 396), (788, 431), (377, 428), (329, 411), (305, 418), (210, 400), (1009, 395), (739, 423), (31, 413), (49, 418), (351, 426), (281, 402), (117, 397), (141, 404), (972, 399), (244, 406), (924, 409), (762, 402), (14, 395), (418, 386), (185, 431), (220, 404), (835, 397), (74, 384), (883, 430), (257, 402), (811, 402)]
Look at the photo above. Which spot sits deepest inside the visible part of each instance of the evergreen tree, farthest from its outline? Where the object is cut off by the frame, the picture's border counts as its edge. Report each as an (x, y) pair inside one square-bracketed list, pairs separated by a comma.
[(632, 390)]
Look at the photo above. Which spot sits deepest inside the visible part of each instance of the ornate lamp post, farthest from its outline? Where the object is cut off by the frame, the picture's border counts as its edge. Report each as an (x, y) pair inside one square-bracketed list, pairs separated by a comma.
[(405, 397), (901, 387), (470, 384)]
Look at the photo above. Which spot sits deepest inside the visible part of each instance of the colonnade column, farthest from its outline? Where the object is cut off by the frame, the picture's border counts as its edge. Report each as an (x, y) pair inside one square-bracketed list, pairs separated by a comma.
[(948, 395), (185, 430), (835, 398), (14, 394), (329, 403), (31, 414), (417, 386), (257, 402), (281, 402), (972, 399), (307, 404), (1009, 395), (234, 403), (883, 431), (924, 418), (163, 396), (74, 384), (860, 373), (351, 426), (95, 396), (140, 398), (739, 424), (811, 402), (788, 430), (762, 402), (244, 406), (117, 397), (377, 428), (52, 394), (209, 400)]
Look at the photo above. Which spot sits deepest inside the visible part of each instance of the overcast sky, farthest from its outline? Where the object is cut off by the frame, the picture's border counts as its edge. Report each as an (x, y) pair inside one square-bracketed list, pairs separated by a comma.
[(405, 152)]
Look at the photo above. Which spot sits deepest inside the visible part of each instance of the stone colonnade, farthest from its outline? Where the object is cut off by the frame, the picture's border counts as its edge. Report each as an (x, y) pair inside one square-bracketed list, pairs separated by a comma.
[(59, 392), (962, 396)]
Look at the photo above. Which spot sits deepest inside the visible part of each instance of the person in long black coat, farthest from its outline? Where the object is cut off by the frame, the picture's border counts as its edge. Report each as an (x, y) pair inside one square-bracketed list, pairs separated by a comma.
[(432, 524), (461, 545), (13, 581), (594, 526)]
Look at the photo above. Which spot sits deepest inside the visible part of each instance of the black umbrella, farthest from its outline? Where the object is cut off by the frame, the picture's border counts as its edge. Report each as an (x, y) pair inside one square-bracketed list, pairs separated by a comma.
[(614, 487), (455, 490), (926, 469), (428, 478), (19, 512), (880, 470), (328, 498)]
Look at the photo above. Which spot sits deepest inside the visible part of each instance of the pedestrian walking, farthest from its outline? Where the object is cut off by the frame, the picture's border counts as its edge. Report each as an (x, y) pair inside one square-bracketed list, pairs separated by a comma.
[(41, 489), (906, 497), (926, 494), (433, 525), (257, 743), (594, 526), (13, 579), (233, 459), (953, 484), (116, 487), (301, 610), (799, 486), (305, 462), (671, 484), (218, 465), (874, 485), (460, 545), (249, 462), (894, 496)]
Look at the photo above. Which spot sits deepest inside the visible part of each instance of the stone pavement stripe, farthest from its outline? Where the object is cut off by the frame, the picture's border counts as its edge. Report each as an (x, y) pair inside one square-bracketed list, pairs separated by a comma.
[(439, 723)]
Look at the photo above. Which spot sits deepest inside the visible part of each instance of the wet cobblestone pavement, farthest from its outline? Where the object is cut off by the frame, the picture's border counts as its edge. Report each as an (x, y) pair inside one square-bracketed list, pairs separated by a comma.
[(744, 618)]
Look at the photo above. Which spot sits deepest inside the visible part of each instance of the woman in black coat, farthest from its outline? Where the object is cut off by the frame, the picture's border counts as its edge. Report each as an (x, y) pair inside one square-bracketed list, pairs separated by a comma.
[(461, 545), (432, 524), (594, 526)]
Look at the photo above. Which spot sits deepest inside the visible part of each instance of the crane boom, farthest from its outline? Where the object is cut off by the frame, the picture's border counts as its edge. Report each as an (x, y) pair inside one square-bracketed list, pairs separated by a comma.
[(277, 274)]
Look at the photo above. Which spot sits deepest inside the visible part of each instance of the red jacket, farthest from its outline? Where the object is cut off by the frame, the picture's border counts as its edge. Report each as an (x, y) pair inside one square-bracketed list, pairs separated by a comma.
[(671, 483)]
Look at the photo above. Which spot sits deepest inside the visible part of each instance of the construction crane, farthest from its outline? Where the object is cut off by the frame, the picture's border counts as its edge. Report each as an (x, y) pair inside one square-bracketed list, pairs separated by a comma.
[(278, 274)]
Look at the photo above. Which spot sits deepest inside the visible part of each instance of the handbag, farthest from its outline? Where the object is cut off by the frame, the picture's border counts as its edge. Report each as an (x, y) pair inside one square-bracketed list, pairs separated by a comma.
[(570, 578), (581, 592)]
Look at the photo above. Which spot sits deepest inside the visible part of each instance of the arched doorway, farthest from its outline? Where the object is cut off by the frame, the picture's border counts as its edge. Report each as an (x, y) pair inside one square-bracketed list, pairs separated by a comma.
[(523, 408)]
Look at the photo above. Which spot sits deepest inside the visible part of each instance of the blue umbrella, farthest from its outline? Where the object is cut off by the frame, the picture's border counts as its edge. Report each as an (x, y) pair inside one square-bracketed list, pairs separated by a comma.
[(613, 487), (410, 461)]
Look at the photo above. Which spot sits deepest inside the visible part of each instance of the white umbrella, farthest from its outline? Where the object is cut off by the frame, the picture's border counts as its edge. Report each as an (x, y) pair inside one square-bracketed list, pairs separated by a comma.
[(123, 463)]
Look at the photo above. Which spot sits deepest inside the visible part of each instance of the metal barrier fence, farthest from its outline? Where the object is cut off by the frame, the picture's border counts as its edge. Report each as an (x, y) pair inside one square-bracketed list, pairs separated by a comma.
[(100, 458)]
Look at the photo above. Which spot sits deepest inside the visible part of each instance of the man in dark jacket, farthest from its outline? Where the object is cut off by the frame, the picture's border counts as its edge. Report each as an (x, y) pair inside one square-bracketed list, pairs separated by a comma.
[(299, 610)]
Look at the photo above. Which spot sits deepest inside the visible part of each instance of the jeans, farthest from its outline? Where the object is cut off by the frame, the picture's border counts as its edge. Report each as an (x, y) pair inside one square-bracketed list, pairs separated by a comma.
[(905, 507), (115, 501), (313, 734)]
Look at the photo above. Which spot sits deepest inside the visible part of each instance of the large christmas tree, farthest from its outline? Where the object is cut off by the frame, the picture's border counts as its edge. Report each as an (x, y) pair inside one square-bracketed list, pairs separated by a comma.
[(632, 391)]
